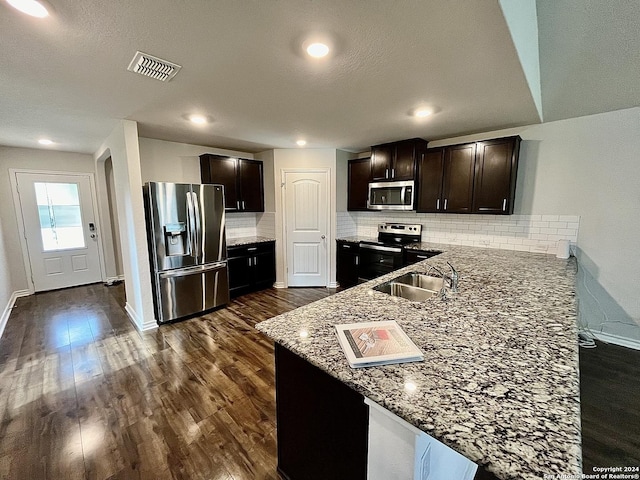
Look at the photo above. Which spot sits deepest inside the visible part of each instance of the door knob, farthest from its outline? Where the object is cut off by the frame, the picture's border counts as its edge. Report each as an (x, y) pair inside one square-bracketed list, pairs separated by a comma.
[(322, 237), (93, 235)]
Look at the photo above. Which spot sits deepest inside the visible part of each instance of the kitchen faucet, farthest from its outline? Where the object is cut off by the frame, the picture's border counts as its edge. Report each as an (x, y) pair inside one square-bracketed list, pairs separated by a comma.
[(452, 279)]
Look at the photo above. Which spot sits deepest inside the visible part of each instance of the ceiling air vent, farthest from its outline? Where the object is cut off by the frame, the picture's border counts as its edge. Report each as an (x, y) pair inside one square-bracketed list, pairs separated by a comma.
[(153, 67)]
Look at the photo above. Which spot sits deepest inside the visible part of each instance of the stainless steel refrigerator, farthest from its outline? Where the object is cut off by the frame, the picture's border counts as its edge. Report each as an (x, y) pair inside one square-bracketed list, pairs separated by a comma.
[(187, 248)]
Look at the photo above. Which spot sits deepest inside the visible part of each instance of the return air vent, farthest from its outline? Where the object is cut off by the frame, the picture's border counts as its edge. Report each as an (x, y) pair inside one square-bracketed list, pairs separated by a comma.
[(153, 67)]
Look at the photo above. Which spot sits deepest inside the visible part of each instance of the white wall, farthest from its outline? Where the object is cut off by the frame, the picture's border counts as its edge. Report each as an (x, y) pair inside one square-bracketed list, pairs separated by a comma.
[(589, 166), (162, 161), (303, 158), (122, 147), (6, 286), (34, 159)]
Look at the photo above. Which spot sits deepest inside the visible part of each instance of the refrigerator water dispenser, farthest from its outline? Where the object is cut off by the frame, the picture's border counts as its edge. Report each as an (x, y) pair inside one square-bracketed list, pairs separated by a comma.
[(176, 239)]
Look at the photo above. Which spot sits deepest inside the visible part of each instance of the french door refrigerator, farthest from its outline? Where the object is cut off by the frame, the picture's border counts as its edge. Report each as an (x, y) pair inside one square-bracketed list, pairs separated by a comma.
[(187, 248)]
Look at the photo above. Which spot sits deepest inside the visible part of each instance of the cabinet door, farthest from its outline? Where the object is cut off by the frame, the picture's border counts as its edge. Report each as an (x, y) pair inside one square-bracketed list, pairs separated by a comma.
[(264, 264), (251, 185), (358, 186), (430, 173), (404, 162), (459, 162), (223, 171), (322, 424), (240, 273), (381, 159), (495, 176), (347, 264)]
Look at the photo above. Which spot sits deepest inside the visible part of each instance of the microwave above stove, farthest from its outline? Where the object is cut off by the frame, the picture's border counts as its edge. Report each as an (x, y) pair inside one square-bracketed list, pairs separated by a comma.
[(391, 195)]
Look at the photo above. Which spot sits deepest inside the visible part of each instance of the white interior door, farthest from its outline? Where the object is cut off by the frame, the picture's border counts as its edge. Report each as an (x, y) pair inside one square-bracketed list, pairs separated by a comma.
[(307, 228), (60, 229)]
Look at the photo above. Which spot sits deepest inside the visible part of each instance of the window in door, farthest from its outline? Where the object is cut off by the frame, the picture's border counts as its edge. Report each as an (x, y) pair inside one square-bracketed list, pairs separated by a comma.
[(60, 216)]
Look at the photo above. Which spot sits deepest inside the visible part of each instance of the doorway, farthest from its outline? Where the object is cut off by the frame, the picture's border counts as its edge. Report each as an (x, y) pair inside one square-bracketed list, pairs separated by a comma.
[(57, 215), (306, 214)]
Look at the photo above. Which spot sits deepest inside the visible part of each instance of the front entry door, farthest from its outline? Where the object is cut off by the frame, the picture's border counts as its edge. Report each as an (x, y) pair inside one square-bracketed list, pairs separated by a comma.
[(60, 229), (307, 228)]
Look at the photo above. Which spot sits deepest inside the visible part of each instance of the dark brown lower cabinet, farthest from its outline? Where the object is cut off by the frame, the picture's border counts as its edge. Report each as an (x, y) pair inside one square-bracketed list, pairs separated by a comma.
[(251, 267), (322, 424), (348, 258)]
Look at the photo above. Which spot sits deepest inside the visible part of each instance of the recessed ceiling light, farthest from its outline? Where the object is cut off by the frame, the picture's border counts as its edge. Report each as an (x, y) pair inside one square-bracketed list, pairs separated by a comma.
[(422, 112), (198, 119), (318, 50), (301, 143), (30, 7), (45, 141)]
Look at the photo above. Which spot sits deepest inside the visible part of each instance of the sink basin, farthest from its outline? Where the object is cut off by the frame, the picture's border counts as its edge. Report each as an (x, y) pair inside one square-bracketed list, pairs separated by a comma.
[(414, 286)]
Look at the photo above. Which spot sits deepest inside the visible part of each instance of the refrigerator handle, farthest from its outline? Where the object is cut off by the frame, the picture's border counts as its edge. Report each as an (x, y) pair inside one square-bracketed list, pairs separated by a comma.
[(198, 225), (190, 226)]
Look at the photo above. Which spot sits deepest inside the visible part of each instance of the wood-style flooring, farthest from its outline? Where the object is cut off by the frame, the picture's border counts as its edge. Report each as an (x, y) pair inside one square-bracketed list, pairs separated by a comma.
[(610, 403), (83, 395)]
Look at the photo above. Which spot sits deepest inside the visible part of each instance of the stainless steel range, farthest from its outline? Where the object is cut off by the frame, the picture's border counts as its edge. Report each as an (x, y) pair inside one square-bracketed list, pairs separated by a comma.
[(386, 254)]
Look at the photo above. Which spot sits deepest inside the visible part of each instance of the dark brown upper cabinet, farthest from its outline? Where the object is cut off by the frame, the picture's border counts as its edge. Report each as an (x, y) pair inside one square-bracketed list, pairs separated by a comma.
[(396, 161), (495, 175), (430, 173), (243, 181), (359, 176), (477, 177), (457, 186)]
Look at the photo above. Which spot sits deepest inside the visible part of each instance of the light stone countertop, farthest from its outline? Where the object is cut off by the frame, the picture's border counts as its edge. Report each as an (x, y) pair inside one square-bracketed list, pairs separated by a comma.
[(499, 382), (234, 242)]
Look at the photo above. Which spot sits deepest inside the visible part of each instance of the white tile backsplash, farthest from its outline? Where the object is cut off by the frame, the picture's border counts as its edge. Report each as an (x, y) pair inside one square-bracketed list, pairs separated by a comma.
[(529, 233), (266, 224), (241, 225)]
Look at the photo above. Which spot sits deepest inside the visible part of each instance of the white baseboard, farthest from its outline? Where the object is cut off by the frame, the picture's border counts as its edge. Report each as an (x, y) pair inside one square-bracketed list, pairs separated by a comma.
[(333, 285), (279, 285), (616, 340), (137, 322), (111, 280), (6, 313)]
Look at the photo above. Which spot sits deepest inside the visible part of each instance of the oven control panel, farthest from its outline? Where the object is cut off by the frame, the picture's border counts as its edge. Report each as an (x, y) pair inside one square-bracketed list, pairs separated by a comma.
[(400, 228)]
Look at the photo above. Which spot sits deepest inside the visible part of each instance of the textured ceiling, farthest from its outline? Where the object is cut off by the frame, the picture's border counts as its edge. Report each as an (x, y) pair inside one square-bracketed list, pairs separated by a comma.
[(65, 77)]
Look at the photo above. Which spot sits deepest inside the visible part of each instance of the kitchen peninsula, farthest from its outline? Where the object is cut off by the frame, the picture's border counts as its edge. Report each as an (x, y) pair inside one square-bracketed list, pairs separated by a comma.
[(499, 381)]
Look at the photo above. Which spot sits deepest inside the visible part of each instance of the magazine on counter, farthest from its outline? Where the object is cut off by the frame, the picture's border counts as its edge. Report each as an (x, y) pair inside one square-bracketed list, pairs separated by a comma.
[(368, 344)]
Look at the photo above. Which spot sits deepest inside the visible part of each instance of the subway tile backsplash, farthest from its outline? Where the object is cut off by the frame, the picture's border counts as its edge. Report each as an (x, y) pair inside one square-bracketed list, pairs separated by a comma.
[(529, 233), (240, 225)]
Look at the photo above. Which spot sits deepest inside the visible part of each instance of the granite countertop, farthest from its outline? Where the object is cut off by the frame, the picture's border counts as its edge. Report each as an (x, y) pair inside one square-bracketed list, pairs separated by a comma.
[(357, 239), (234, 242), (499, 382)]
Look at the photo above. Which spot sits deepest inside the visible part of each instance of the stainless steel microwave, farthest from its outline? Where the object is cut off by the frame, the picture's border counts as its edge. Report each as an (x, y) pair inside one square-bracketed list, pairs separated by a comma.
[(391, 195)]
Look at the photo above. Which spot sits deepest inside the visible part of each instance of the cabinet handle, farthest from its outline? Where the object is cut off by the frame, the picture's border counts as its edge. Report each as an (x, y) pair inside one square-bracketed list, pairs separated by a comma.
[(504, 204), (243, 205), (346, 246), (445, 203), (357, 260), (255, 261), (238, 205), (250, 264), (252, 249), (386, 173), (438, 204), (421, 256), (393, 173)]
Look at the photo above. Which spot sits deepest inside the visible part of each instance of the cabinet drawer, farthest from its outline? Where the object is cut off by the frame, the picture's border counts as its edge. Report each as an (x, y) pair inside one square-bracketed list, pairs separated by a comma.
[(415, 256), (250, 249), (348, 247)]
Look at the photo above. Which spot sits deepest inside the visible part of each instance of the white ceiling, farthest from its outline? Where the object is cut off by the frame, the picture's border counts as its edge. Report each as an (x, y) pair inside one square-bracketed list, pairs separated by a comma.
[(65, 77)]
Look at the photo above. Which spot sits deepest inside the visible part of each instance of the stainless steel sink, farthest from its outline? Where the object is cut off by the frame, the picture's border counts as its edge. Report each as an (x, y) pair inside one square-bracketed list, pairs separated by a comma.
[(413, 286)]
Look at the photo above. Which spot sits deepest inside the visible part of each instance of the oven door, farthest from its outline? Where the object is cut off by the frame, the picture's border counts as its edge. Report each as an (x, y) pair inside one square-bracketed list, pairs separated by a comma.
[(391, 196), (377, 260)]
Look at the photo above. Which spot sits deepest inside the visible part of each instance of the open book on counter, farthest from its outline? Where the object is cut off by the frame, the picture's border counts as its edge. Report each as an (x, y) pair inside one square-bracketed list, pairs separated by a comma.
[(368, 344)]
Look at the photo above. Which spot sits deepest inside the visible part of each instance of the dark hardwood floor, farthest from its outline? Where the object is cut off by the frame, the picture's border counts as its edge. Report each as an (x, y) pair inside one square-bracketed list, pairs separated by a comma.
[(610, 403), (83, 395)]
